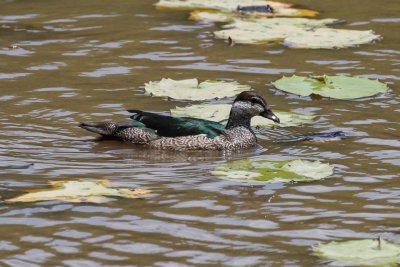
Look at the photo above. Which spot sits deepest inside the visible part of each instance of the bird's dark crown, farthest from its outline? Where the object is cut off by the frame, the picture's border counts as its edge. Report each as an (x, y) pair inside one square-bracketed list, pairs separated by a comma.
[(251, 96)]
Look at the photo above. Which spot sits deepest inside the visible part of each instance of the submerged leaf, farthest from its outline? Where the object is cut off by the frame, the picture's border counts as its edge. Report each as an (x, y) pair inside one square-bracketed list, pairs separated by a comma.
[(225, 16), (79, 191), (191, 89), (273, 171), (14, 165), (294, 32), (367, 252), (227, 5), (220, 113), (264, 9), (316, 137), (339, 87)]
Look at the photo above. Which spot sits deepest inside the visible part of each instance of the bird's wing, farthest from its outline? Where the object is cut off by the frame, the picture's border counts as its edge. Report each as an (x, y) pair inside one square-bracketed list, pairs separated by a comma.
[(169, 126)]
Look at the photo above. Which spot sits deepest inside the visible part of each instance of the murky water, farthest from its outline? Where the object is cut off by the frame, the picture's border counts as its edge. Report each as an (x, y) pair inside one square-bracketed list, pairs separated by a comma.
[(88, 61)]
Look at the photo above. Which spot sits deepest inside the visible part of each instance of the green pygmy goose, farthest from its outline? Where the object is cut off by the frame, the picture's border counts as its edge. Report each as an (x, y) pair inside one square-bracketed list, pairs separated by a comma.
[(183, 133)]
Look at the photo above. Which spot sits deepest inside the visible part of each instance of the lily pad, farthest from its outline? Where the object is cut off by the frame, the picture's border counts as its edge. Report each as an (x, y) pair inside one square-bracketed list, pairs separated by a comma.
[(294, 32), (225, 16), (367, 252), (220, 113), (80, 191), (273, 171), (263, 30), (316, 137), (339, 87), (212, 16), (191, 89), (326, 38), (227, 5)]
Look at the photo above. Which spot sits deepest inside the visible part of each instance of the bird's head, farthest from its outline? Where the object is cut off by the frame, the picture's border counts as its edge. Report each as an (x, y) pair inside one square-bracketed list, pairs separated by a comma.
[(250, 103)]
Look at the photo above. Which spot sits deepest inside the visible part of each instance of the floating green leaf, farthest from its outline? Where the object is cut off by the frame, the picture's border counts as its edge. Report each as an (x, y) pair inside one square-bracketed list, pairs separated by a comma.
[(79, 191), (227, 5), (220, 113), (273, 171), (226, 16), (367, 252), (340, 87), (191, 89), (294, 32), (263, 30), (212, 16), (326, 38)]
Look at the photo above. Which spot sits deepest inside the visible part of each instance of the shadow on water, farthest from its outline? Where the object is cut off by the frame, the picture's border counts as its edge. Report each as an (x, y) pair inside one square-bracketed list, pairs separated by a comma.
[(142, 153)]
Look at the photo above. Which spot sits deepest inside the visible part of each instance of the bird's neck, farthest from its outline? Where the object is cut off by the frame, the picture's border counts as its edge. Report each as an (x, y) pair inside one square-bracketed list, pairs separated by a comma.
[(238, 118)]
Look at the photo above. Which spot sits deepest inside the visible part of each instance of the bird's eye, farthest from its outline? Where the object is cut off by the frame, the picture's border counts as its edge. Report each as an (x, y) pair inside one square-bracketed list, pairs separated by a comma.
[(255, 101)]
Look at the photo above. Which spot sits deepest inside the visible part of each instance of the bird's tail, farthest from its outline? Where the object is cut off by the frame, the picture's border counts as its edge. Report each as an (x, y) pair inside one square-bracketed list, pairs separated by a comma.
[(103, 128)]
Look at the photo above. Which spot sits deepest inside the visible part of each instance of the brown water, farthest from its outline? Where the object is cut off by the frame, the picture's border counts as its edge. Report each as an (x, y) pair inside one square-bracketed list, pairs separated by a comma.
[(88, 61)]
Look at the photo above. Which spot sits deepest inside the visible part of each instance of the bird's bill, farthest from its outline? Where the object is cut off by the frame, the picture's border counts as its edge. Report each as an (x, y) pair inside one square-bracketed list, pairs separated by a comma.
[(270, 115)]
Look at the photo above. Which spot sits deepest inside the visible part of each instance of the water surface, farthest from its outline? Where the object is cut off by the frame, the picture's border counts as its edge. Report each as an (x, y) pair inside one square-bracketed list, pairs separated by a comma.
[(88, 60)]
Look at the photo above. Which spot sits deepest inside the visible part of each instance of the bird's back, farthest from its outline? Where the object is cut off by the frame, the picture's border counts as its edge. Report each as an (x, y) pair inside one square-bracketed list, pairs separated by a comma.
[(168, 126)]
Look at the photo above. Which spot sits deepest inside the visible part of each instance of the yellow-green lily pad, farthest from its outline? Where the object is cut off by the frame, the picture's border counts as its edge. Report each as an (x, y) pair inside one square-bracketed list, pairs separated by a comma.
[(227, 5), (191, 89), (220, 113), (326, 38), (263, 30), (80, 191), (212, 16), (294, 32), (273, 171), (226, 16), (339, 87), (367, 252)]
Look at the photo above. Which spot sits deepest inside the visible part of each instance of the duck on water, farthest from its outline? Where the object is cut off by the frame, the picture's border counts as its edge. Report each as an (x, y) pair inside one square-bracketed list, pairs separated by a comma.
[(183, 133)]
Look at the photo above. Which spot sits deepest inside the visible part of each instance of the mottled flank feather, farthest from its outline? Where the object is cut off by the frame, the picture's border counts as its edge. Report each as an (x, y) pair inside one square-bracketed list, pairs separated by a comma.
[(235, 139)]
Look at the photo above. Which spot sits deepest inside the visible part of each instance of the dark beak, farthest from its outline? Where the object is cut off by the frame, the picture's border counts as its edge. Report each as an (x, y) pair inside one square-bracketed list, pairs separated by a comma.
[(270, 115)]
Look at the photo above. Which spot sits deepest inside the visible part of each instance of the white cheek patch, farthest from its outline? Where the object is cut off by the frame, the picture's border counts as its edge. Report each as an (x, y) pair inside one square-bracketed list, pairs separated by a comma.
[(247, 108), (242, 105), (260, 108)]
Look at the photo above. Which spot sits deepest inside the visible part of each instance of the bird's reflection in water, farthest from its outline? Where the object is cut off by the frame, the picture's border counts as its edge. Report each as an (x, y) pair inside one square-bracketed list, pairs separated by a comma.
[(142, 153)]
